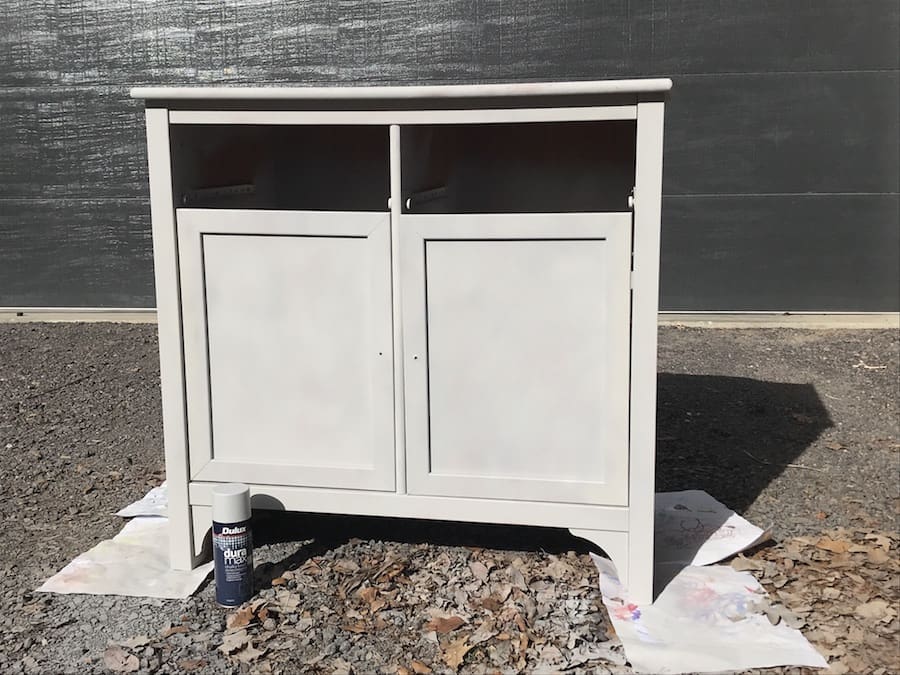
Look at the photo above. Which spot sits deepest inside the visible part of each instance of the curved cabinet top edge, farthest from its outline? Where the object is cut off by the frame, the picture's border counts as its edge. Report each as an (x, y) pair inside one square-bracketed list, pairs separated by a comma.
[(411, 92)]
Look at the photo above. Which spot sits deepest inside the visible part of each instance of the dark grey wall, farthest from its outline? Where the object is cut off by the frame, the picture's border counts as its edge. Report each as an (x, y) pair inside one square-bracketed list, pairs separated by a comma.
[(781, 166)]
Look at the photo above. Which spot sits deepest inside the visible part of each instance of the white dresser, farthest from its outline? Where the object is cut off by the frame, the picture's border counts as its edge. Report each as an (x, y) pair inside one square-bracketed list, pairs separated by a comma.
[(432, 302)]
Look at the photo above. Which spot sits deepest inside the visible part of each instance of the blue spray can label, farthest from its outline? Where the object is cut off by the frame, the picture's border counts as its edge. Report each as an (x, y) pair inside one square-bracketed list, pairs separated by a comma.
[(233, 560)]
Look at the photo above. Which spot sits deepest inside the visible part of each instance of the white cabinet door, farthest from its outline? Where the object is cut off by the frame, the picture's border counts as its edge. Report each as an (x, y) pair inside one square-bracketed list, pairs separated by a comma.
[(516, 342), (288, 347)]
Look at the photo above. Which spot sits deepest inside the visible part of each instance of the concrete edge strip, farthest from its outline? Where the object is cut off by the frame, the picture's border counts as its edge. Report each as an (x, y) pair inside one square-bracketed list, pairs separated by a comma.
[(807, 320)]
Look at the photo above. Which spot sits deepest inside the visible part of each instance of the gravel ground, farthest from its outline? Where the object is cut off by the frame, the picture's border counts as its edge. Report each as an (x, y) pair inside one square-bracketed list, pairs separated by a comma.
[(736, 406), (795, 429)]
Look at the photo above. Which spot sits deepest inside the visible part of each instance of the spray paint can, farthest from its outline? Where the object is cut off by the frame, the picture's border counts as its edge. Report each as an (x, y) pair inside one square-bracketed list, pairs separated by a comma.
[(232, 544)]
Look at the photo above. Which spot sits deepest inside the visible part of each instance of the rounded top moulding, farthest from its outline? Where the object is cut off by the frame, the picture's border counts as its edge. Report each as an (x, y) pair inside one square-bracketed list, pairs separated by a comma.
[(454, 91)]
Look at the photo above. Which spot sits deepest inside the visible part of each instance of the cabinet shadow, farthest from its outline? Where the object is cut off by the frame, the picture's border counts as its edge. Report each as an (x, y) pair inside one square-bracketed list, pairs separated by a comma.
[(729, 436), (323, 532)]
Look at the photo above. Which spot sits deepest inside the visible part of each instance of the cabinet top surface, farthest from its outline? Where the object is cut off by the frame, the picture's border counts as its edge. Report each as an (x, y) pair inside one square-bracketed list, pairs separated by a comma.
[(455, 91)]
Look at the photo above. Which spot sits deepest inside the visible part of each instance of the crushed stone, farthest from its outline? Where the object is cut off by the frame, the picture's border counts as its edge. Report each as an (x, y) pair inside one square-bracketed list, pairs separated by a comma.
[(80, 436)]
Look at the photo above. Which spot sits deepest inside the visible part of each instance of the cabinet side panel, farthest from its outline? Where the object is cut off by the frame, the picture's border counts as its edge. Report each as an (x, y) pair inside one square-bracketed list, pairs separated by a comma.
[(645, 304), (165, 259)]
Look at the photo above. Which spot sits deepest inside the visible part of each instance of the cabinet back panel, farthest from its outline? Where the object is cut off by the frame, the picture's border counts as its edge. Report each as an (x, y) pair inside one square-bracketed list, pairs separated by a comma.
[(520, 168), (317, 168)]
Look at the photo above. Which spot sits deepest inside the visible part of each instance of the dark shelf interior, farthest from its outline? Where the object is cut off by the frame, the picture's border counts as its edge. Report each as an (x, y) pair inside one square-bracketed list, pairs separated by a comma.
[(328, 168), (518, 168)]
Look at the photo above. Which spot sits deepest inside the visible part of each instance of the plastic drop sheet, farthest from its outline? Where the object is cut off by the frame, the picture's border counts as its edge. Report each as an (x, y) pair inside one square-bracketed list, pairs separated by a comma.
[(154, 503), (705, 618), (135, 562)]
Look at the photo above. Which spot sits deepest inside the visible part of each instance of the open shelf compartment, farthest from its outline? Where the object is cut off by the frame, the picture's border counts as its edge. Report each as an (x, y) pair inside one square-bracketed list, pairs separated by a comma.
[(290, 167), (552, 167)]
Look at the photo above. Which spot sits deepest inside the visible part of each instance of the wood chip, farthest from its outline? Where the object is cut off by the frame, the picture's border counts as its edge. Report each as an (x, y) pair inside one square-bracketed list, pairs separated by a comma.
[(880, 540), (242, 617), (119, 661), (191, 664), (878, 556), (484, 632), (174, 629), (231, 642), (248, 654), (491, 604), (455, 652), (367, 594), (444, 625), (835, 546), (875, 609), (135, 642), (479, 570)]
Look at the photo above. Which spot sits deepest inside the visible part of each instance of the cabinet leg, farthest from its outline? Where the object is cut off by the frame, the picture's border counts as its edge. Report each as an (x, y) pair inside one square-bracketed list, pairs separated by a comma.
[(635, 575), (201, 528), (181, 547), (188, 536)]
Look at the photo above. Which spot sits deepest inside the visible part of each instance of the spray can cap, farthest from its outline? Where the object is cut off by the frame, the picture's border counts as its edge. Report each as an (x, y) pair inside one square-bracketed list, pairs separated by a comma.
[(231, 503)]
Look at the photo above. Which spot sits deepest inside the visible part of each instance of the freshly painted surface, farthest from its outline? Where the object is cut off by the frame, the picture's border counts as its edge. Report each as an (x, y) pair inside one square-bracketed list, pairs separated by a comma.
[(514, 327), (518, 335), (644, 308), (171, 339), (504, 90), (619, 112), (287, 335)]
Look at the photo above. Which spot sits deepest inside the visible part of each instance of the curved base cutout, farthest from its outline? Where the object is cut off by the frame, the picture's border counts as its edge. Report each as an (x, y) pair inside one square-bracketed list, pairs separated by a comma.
[(614, 545)]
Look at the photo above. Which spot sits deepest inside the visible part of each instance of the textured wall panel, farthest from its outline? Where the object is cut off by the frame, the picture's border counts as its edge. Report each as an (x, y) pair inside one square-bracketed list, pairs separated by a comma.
[(746, 36), (770, 98), (71, 142), (108, 42), (67, 252), (813, 253), (783, 133), (117, 42)]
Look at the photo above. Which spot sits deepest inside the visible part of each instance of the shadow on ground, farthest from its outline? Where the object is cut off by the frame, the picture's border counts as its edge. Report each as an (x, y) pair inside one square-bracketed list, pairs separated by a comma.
[(729, 436), (732, 436), (331, 531)]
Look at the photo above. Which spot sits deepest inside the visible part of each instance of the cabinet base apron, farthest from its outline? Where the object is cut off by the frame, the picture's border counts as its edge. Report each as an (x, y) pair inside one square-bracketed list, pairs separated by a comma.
[(607, 527)]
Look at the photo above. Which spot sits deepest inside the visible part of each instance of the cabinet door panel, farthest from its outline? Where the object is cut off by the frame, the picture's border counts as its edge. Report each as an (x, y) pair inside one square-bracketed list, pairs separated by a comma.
[(288, 347), (516, 333)]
